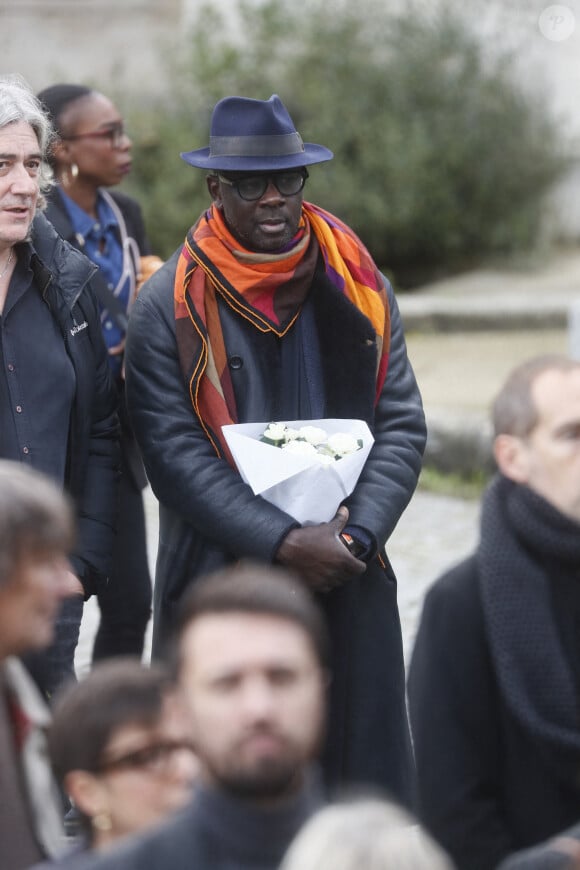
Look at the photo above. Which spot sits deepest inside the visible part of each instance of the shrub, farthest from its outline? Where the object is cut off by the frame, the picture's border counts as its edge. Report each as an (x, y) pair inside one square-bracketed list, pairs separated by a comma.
[(440, 159)]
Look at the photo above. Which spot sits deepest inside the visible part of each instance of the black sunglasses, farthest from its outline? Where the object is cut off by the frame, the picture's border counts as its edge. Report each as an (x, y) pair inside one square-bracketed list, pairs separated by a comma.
[(154, 757), (253, 187)]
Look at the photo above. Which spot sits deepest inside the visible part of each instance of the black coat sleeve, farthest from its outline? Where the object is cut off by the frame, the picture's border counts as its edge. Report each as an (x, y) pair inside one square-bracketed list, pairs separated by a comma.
[(390, 475), (185, 473), (94, 464), (453, 708)]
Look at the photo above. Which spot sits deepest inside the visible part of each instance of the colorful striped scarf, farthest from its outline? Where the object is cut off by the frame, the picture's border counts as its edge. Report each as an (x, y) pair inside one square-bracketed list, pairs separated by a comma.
[(267, 289)]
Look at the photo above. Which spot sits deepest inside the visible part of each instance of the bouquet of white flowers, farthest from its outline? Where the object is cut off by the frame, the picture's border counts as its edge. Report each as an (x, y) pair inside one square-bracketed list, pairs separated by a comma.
[(311, 441), (305, 467)]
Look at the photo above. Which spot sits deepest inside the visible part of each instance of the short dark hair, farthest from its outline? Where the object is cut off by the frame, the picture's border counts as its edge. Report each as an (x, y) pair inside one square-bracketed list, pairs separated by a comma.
[(514, 411), (256, 588), (35, 516), (55, 101), (85, 715)]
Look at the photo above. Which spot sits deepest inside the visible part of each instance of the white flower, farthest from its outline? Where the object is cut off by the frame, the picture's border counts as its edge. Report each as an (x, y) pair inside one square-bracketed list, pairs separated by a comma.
[(311, 441), (275, 431), (341, 444), (300, 448), (312, 434)]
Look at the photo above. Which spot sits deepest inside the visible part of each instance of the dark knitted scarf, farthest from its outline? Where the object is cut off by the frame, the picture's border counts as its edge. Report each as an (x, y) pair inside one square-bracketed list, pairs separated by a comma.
[(521, 535)]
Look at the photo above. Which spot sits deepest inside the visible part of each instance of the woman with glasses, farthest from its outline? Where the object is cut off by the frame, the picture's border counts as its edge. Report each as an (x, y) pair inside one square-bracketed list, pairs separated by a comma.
[(92, 153), (120, 744)]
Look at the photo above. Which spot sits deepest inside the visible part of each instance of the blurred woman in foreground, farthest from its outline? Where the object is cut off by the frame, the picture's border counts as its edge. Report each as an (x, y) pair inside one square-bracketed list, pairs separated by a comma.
[(121, 746)]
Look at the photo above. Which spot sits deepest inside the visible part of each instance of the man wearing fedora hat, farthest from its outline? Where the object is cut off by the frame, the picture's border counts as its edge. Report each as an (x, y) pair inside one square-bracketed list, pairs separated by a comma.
[(273, 309)]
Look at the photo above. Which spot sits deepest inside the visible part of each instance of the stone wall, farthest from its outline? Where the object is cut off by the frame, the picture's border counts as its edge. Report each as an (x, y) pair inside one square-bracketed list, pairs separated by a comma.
[(98, 42)]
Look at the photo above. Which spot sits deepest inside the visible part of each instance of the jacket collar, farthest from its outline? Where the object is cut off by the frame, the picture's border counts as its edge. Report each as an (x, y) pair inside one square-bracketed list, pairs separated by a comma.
[(54, 257)]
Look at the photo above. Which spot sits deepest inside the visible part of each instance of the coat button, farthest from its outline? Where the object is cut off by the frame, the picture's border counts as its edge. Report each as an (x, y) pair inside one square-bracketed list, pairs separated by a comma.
[(235, 362)]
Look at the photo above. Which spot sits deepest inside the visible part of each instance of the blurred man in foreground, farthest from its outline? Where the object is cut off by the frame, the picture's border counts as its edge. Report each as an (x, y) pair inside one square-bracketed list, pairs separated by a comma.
[(251, 658)]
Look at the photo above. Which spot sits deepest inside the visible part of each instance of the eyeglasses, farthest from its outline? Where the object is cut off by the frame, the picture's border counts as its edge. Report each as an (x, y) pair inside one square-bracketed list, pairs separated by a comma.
[(114, 134), (253, 187), (156, 758)]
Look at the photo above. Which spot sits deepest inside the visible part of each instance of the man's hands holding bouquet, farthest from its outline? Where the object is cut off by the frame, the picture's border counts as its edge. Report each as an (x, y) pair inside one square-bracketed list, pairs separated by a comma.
[(307, 468), (319, 556)]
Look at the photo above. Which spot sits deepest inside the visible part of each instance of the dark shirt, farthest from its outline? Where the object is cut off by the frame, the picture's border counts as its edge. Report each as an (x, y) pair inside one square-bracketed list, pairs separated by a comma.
[(290, 365), (37, 379), (215, 832)]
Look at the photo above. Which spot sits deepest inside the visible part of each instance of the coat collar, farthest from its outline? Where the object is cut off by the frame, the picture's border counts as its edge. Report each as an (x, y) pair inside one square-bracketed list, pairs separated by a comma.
[(54, 257)]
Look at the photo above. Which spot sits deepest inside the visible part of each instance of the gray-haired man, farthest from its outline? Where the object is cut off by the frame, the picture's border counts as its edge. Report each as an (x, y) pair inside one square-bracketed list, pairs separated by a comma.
[(57, 401)]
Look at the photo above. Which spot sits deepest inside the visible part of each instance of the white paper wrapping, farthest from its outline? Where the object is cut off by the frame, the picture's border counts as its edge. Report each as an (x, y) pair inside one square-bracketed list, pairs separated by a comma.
[(299, 485)]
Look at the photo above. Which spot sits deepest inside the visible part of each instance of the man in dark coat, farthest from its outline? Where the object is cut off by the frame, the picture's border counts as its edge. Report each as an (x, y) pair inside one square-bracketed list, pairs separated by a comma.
[(494, 685), (274, 310), (251, 659), (57, 401)]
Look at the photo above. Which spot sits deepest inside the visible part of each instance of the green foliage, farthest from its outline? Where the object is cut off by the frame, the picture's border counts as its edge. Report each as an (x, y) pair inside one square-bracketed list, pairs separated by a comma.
[(440, 159), (454, 484), (170, 194)]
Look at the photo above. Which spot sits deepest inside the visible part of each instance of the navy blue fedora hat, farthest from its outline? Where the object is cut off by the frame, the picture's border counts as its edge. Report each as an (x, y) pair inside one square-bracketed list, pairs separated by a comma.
[(253, 135)]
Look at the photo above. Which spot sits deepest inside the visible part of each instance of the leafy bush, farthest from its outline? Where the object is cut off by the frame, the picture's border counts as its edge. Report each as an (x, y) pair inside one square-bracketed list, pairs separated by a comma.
[(440, 159)]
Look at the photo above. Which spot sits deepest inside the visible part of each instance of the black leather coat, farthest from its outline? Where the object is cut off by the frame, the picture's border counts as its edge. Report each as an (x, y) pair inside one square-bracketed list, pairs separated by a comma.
[(63, 277), (131, 210), (209, 516)]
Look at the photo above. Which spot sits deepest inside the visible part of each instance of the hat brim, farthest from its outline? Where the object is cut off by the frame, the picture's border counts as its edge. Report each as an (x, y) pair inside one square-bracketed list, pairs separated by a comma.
[(202, 159)]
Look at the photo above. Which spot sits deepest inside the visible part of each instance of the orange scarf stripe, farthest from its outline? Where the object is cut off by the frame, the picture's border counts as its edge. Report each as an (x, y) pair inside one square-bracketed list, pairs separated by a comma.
[(198, 385), (349, 258), (197, 382), (256, 319)]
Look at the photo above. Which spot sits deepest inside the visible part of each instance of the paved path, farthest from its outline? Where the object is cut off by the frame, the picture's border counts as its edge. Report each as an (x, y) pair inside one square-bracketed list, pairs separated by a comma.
[(434, 533)]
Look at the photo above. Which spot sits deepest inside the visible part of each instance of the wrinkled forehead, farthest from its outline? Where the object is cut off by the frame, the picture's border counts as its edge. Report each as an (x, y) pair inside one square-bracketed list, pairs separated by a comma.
[(19, 132), (556, 394)]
